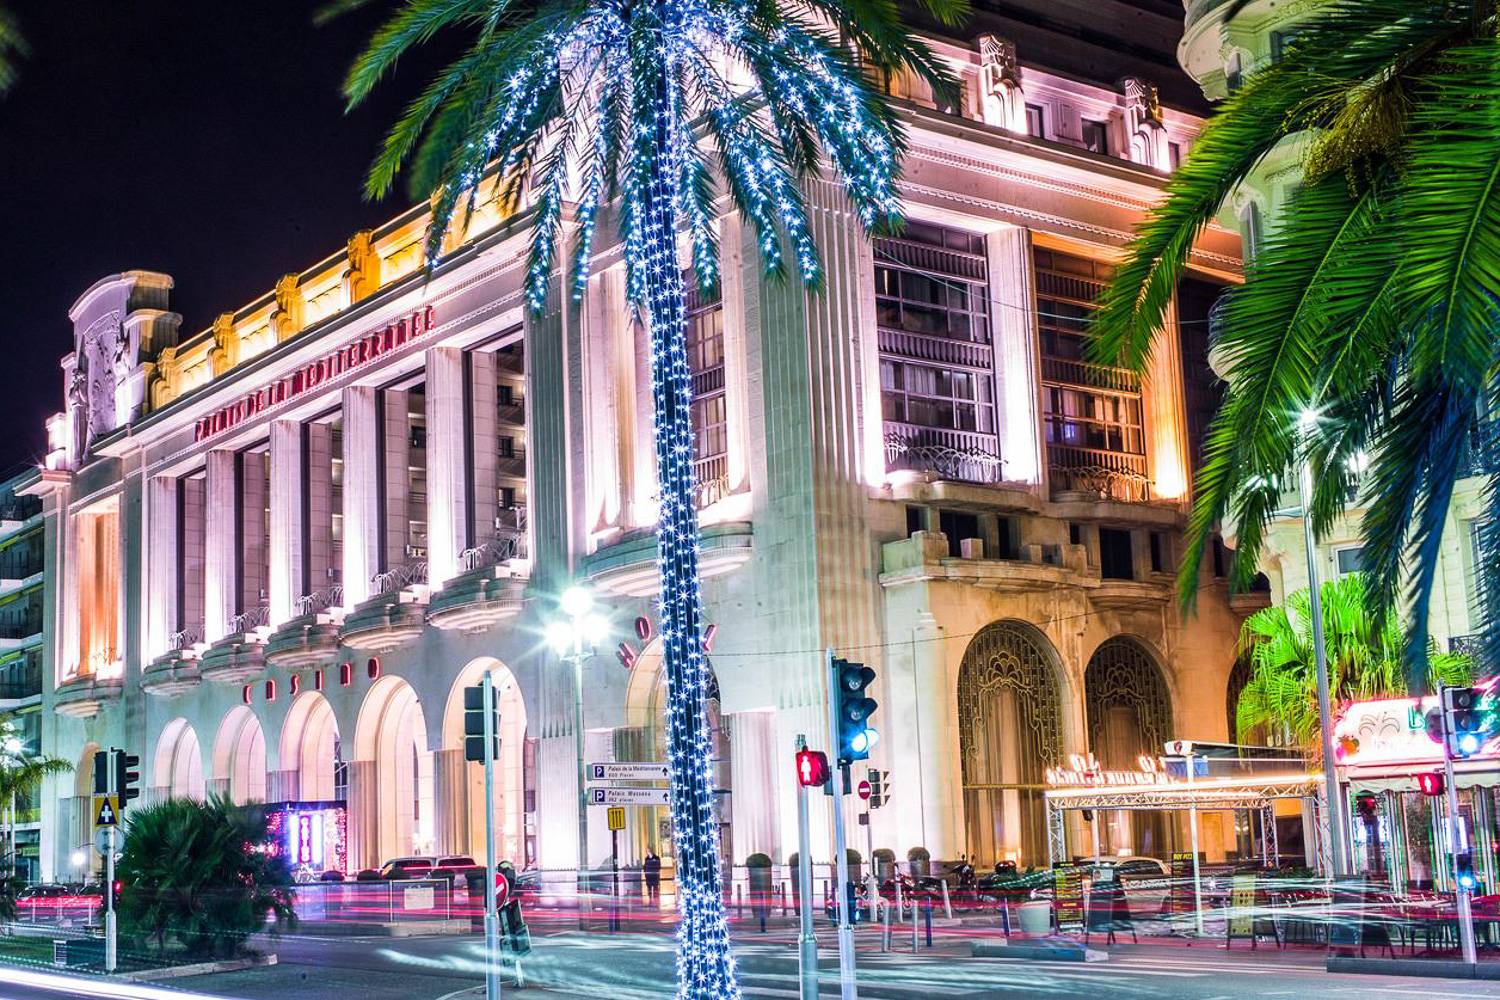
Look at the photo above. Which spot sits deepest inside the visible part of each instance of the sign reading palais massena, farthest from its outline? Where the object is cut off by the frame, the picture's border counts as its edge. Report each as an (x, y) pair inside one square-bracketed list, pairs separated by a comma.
[(390, 337)]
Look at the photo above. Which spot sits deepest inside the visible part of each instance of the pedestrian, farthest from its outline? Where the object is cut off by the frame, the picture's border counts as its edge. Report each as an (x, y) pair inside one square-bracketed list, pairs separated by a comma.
[(652, 867)]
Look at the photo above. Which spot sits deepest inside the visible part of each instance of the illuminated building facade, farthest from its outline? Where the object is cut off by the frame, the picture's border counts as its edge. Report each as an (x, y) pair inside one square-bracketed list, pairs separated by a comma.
[(281, 546)]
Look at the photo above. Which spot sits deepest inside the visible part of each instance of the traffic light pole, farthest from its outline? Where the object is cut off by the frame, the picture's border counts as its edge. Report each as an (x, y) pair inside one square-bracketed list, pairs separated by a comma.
[(847, 989), (1460, 894), (491, 912), (807, 943)]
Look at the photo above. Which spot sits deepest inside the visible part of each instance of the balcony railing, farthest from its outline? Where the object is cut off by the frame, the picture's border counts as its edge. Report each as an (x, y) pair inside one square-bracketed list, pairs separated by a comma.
[(21, 681), (1067, 371), (247, 621), (188, 635), (398, 579), (1108, 475), (950, 454), (22, 629), (936, 350), (320, 600)]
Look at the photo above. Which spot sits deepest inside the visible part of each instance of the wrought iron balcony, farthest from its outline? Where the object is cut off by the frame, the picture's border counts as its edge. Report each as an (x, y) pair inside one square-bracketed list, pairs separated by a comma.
[(947, 454), (1102, 475)]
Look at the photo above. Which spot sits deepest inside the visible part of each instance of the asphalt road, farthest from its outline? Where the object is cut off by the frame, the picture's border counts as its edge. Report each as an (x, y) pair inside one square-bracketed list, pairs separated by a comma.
[(638, 967)]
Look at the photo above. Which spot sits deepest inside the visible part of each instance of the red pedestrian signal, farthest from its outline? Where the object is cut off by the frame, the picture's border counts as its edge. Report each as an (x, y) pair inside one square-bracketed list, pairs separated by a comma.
[(812, 768), (1431, 783)]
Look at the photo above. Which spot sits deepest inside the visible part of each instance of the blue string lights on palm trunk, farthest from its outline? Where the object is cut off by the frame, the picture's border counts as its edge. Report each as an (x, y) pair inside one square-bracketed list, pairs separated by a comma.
[(626, 107)]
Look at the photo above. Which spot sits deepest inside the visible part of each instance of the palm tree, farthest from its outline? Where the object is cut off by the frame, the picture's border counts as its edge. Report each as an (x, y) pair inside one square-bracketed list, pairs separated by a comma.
[(625, 107), (1372, 305), (20, 773), (199, 873), (12, 46), (1364, 662)]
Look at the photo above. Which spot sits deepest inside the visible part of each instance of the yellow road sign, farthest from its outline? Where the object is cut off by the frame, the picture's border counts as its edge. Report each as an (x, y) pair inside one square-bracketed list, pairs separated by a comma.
[(616, 817), (106, 810)]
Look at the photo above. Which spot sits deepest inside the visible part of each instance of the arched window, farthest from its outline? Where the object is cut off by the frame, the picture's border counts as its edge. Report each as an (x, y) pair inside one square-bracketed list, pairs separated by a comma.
[(1129, 714), (1010, 730)]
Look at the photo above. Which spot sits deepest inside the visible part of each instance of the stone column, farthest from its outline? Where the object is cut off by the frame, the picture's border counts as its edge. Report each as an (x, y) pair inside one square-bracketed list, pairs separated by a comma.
[(940, 775), (221, 546), (483, 453), (318, 508), (284, 786), (737, 383), (194, 555), (395, 475), (162, 564), (448, 481), (362, 488), (752, 765), (364, 815), (1166, 413), (288, 557), (1018, 409), (450, 797), (216, 786)]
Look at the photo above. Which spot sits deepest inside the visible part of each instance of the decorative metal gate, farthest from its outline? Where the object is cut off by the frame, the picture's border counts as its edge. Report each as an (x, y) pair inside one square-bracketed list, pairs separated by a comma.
[(1129, 714), (1010, 728)]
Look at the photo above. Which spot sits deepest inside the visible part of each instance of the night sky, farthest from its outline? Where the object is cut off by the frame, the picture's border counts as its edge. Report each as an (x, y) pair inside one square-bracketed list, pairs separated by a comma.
[(207, 140)]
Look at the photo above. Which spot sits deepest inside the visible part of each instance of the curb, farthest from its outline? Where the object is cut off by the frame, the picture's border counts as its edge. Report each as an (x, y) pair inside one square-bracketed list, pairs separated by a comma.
[(1429, 968), (199, 969)]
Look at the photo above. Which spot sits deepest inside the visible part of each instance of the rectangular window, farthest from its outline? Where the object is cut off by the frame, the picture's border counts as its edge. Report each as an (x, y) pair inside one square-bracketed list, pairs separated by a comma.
[(1221, 559), (1174, 154), (1075, 533), (1116, 561), (1096, 137), (1350, 559), (705, 356), (1036, 121), (937, 383), (1092, 414), (1158, 556), (507, 447), (914, 520), (507, 497)]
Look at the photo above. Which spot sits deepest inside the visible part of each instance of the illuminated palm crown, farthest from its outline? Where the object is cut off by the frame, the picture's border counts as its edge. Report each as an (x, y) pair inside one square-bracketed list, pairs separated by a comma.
[(569, 98)]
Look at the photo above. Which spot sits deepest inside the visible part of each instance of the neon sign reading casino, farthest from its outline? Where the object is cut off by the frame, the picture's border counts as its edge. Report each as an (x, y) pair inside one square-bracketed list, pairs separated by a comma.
[(393, 335)]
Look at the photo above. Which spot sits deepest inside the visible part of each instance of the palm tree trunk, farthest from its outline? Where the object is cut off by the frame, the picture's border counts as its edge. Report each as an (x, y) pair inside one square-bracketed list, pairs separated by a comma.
[(704, 966)]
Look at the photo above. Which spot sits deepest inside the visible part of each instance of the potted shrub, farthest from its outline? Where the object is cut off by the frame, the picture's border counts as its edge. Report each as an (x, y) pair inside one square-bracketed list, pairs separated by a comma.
[(920, 862), (855, 859), (884, 860), (758, 873)]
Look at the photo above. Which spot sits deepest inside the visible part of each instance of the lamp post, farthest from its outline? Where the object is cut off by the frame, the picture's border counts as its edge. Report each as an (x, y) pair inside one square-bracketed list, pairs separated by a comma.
[(1338, 857), (573, 638)]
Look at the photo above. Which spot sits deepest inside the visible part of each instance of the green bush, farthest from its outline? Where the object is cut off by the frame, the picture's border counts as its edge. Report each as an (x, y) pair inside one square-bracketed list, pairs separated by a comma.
[(758, 861), (918, 854), (884, 854), (197, 873), (852, 856)]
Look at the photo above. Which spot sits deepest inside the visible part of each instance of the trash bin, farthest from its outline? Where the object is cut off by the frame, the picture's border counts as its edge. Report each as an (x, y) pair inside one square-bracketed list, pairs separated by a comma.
[(1036, 917)]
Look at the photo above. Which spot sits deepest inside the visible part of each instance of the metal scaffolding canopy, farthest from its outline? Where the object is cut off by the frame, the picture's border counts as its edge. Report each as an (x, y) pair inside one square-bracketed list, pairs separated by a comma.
[(1209, 793)]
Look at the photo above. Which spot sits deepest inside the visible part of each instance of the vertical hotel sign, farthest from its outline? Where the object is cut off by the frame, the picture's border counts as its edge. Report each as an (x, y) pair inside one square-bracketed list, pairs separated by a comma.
[(356, 354)]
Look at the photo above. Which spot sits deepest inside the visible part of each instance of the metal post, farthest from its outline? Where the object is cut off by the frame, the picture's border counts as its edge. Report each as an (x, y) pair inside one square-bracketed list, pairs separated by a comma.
[(1338, 850), (900, 904), (885, 928), (947, 905), (807, 944), (491, 910), (583, 783), (1460, 894), (846, 932), (614, 866), (110, 934), (1193, 829)]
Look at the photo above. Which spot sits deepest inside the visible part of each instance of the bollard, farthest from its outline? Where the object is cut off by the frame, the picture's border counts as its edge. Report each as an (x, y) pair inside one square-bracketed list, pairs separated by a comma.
[(885, 933), (947, 906), (739, 900), (927, 919), (900, 905), (914, 925), (1005, 917)]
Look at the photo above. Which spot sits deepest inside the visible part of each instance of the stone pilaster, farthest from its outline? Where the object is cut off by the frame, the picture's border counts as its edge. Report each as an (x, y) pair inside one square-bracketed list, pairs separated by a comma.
[(484, 457), (194, 565), (450, 799), (1166, 413), (364, 815), (162, 564), (284, 786), (319, 506), (395, 475), (221, 545), (362, 488), (1017, 365), (254, 488), (448, 480), (288, 556)]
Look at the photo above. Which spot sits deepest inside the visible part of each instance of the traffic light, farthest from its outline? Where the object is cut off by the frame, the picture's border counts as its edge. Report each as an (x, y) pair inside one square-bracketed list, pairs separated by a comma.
[(1463, 721), (127, 776), (879, 790), (812, 768), (474, 725), (112, 894), (101, 772), (1463, 871), (853, 710), (1431, 783)]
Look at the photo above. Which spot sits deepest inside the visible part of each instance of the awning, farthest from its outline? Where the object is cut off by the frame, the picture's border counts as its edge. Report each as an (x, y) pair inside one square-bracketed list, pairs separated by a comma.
[(1204, 793)]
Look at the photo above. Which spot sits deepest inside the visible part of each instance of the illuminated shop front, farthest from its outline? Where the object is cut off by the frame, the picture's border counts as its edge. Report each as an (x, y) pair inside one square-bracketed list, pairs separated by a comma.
[(1398, 830), (312, 836)]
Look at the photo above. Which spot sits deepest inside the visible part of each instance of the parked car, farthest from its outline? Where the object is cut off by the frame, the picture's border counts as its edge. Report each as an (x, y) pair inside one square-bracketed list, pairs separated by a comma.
[(457, 868), (401, 868)]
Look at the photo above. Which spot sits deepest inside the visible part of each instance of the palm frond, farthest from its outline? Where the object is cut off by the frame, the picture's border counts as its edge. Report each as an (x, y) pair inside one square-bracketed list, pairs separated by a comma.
[(12, 48)]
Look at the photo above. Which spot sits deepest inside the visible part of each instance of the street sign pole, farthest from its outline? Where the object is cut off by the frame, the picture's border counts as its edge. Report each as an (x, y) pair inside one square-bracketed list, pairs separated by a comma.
[(1460, 894), (847, 988), (807, 943), (491, 913), (110, 939)]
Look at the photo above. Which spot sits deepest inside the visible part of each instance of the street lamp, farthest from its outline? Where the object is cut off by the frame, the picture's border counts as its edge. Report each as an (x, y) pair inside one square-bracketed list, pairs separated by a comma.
[(573, 638), (1337, 854)]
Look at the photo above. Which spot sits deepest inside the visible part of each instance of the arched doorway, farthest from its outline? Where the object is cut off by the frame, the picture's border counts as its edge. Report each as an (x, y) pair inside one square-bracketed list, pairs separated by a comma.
[(1010, 730), (312, 753), (515, 772), (391, 738), (240, 757), (1129, 714), (644, 738), (178, 771)]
